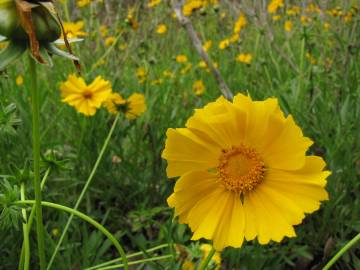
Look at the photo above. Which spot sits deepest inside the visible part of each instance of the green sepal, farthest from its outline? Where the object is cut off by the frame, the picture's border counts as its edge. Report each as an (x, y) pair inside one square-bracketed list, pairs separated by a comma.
[(55, 50), (11, 53)]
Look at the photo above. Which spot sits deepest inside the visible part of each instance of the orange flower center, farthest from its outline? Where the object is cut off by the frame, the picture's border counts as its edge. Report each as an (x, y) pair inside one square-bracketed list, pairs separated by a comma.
[(87, 94), (241, 169)]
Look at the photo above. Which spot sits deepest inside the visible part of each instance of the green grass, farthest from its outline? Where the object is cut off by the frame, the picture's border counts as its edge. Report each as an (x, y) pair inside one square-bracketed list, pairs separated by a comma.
[(129, 196)]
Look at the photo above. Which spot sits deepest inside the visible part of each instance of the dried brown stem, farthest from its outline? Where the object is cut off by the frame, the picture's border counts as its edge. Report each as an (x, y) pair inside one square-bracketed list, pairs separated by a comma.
[(186, 23)]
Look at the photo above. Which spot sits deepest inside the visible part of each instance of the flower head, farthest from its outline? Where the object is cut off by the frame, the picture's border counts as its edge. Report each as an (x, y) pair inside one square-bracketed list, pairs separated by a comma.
[(85, 98), (74, 29), (161, 29), (132, 107), (198, 87), (244, 58), (243, 172)]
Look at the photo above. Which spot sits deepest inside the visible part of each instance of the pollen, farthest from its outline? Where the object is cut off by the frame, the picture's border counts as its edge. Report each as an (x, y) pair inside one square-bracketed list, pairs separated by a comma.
[(241, 169)]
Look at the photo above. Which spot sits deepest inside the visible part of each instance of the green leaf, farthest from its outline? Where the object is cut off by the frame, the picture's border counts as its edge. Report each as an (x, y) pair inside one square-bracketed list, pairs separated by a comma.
[(10, 54)]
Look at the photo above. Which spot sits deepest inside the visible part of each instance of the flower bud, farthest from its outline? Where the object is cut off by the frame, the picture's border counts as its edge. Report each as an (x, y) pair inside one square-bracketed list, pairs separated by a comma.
[(46, 25)]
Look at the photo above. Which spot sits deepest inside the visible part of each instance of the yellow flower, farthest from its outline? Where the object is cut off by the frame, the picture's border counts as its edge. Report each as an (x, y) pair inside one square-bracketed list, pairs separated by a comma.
[(168, 74), (181, 58), (207, 45), (240, 24), (83, 3), (224, 44), (161, 29), (198, 87), (122, 46), (132, 107), (19, 80), (192, 5), (85, 98), (188, 265), (141, 74), (74, 30), (110, 41), (244, 58), (276, 18), (275, 5), (288, 26), (243, 172), (326, 26), (153, 3), (104, 30), (186, 69)]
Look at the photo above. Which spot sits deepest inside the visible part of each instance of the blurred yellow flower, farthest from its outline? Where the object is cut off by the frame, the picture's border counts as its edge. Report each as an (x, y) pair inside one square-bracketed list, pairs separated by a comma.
[(224, 44), (244, 58), (275, 5), (198, 87), (73, 29), (83, 3), (186, 69), (19, 80), (153, 3), (181, 58), (276, 18), (85, 98), (122, 46), (288, 26), (243, 172), (240, 24), (110, 41), (161, 29), (207, 45), (141, 74), (188, 265)]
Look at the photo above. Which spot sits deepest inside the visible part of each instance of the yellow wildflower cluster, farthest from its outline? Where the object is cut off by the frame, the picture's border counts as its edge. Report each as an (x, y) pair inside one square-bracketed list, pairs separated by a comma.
[(275, 5), (87, 99), (240, 23), (191, 5)]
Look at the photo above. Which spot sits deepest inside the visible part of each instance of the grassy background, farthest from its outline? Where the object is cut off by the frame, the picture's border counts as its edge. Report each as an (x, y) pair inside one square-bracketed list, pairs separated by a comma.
[(130, 188)]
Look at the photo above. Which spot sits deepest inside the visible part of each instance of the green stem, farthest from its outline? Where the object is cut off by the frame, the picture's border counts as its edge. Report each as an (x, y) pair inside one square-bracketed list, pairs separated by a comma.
[(128, 257), (85, 188), (36, 157), (86, 218), (24, 264), (66, 10), (349, 245), (31, 218), (204, 265), (116, 266)]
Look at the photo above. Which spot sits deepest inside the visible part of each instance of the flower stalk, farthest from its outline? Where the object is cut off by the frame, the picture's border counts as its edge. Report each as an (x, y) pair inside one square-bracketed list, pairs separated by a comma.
[(36, 157), (205, 264)]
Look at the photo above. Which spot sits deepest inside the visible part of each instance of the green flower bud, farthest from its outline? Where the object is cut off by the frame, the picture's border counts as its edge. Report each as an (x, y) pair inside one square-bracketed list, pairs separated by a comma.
[(46, 25)]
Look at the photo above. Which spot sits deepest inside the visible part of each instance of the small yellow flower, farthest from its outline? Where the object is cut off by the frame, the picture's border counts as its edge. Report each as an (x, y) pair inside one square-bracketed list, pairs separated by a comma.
[(122, 46), (275, 5), (19, 80), (74, 30), (141, 74), (326, 26), (161, 29), (244, 58), (104, 30), (224, 44), (132, 107), (153, 3), (207, 45), (181, 58), (168, 74), (186, 69), (240, 24), (288, 26), (276, 18), (85, 98), (110, 41), (198, 87), (83, 3)]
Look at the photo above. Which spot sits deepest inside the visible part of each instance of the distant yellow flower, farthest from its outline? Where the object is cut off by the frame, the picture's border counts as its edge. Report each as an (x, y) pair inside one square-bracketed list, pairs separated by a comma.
[(224, 44), (276, 18), (85, 98), (110, 41), (311, 58), (141, 74), (83, 3), (153, 3), (244, 58), (168, 74), (161, 29), (305, 20), (192, 5), (186, 69), (243, 172), (275, 5), (188, 265), (293, 11), (240, 24), (181, 58), (207, 45), (326, 26), (74, 30), (132, 107), (19, 80), (122, 46), (198, 87), (288, 26), (104, 30)]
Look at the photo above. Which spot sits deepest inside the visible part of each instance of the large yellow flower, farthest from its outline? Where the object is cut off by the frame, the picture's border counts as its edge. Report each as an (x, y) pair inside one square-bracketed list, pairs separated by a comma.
[(243, 172), (85, 98)]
